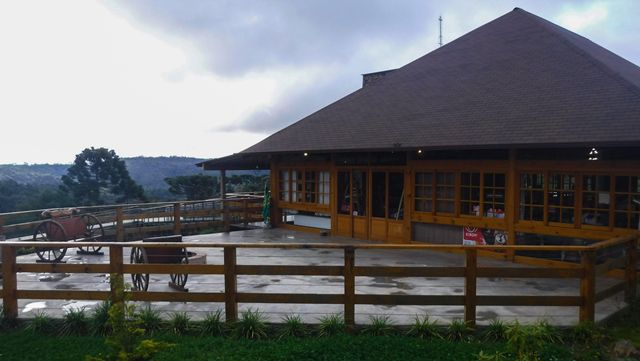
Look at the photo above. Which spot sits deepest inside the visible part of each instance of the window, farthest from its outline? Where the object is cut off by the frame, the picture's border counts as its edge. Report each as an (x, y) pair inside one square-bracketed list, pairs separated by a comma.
[(561, 198), (470, 193), (308, 186), (627, 202), (445, 192), (596, 199), (284, 185), (324, 184), (532, 196), (424, 192), (494, 194)]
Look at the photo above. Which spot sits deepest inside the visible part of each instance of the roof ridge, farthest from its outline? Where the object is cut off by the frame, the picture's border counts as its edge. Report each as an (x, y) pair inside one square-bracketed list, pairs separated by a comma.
[(553, 29)]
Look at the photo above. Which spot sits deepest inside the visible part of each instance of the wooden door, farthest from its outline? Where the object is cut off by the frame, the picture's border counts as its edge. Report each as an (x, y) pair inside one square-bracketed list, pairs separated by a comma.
[(352, 219)]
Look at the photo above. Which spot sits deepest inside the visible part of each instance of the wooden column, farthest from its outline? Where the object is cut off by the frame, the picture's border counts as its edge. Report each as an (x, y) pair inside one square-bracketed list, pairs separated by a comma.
[(349, 287), (230, 284), (223, 195), (177, 221), (631, 270), (119, 224), (511, 202), (117, 276), (245, 213), (408, 204), (9, 283), (470, 279), (588, 287)]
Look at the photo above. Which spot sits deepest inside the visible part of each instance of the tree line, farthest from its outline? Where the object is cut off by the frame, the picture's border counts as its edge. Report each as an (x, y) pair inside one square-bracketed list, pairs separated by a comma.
[(99, 176)]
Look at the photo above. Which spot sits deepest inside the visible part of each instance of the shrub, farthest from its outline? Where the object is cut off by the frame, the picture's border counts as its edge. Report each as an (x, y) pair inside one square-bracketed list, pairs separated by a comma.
[(41, 324), (526, 341), (149, 319), (179, 323), (496, 356), (458, 330), (213, 324), (423, 327), (331, 325), (100, 319), (75, 322), (379, 326), (495, 332), (292, 326), (251, 325)]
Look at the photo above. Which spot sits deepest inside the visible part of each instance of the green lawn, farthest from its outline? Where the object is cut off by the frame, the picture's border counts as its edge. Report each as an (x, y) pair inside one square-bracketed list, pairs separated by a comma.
[(22, 345)]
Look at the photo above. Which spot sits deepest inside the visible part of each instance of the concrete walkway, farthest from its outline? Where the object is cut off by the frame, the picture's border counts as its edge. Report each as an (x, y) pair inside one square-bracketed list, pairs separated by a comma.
[(323, 284)]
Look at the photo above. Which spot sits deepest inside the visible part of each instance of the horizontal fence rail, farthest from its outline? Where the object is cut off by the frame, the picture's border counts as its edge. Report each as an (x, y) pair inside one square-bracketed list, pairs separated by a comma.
[(585, 272), (136, 221)]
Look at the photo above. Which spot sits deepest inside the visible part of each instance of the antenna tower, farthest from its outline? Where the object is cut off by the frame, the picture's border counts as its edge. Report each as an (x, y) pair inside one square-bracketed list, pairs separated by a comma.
[(440, 20)]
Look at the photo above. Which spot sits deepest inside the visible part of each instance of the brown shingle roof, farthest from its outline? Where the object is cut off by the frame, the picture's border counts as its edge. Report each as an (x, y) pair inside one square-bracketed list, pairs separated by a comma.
[(518, 80)]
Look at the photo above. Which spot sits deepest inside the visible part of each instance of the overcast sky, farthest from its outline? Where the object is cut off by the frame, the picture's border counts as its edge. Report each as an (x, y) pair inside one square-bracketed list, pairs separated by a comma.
[(210, 78)]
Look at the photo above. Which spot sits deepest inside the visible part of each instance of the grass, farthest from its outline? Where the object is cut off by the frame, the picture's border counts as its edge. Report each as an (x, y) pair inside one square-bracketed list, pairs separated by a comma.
[(149, 319), (213, 324), (423, 327), (329, 348), (179, 323), (100, 318), (251, 325), (292, 326), (379, 326), (331, 325), (75, 322)]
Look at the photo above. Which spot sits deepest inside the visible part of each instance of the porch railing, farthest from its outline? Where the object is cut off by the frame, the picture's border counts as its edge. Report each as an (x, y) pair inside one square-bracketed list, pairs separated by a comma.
[(586, 272), (136, 221)]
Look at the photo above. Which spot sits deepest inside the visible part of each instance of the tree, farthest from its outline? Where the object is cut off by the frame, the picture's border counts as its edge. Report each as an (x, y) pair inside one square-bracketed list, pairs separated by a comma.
[(99, 176), (194, 187)]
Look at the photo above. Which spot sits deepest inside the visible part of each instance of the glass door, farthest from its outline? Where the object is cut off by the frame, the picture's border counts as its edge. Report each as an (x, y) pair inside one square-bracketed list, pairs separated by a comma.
[(387, 206), (352, 204)]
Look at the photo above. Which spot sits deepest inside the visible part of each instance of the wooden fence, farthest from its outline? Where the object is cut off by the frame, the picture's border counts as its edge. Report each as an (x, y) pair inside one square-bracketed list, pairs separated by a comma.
[(126, 222), (586, 272)]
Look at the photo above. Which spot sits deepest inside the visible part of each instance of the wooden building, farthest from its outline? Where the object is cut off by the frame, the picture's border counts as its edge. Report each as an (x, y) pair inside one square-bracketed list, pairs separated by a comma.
[(520, 128)]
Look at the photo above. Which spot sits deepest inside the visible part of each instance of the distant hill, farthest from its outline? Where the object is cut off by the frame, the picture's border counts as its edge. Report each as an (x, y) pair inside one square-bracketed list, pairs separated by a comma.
[(149, 172)]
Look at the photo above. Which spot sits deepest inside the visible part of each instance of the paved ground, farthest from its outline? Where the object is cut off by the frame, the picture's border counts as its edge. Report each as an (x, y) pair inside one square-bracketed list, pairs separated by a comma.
[(305, 284)]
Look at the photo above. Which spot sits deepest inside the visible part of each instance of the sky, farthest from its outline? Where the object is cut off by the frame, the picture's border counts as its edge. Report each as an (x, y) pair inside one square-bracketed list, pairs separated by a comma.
[(211, 78)]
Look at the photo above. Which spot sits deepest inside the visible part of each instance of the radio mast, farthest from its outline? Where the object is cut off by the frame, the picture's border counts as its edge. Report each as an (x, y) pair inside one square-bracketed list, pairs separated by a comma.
[(440, 20)]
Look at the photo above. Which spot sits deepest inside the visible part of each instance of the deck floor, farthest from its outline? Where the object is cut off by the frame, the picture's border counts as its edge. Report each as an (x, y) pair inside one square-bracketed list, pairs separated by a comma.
[(325, 284)]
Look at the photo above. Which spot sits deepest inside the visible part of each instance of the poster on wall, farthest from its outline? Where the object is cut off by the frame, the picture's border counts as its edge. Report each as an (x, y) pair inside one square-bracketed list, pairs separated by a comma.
[(472, 236)]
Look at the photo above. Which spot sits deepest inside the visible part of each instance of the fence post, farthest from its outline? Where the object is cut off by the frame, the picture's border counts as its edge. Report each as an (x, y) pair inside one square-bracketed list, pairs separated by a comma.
[(177, 222), (119, 224), (117, 276), (349, 287), (588, 286), (470, 279), (230, 284), (10, 283), (631, 270), (246, 212)]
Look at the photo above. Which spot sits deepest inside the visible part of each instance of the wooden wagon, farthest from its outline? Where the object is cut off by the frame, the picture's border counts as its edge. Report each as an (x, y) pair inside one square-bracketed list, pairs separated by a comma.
[(62, 225), (171, 255)]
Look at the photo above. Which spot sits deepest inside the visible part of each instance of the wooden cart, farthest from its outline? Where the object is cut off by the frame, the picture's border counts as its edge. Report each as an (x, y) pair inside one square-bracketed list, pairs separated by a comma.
[(172, 255), (62, 225)]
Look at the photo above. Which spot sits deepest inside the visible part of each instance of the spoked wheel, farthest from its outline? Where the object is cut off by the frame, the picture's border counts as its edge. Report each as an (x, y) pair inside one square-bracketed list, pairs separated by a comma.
[(50, 231), (93, 232), (179, 280), (140, 280)]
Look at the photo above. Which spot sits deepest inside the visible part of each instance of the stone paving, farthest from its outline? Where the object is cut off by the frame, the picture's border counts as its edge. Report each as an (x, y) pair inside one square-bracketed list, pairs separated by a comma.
[(324, 284)]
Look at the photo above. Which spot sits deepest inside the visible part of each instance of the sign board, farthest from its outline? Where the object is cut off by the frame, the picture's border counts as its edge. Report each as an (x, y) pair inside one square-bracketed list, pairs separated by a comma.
[(472, 237)]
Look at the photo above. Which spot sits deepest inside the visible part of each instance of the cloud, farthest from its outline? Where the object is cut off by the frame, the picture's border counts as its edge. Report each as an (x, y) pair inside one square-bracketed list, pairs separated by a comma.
[(583, 17)]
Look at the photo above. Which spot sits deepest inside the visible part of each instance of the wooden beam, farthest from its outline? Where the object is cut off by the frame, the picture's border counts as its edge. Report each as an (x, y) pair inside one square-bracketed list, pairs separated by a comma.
[(470, 280), (230, 284), (631, 272), (9, 283), (119, 224), (512, 201), (588, 287), (349, 287)]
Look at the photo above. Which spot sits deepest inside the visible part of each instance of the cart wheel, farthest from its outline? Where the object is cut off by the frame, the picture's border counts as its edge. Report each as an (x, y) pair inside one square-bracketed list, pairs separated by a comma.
[(180, 279), (93, 232), (50, 231), (140, 280)]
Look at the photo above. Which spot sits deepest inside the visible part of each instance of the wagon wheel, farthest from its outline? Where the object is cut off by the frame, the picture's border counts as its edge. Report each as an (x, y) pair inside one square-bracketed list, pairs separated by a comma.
[(93, 232), (140, 280), (50, 231), (180, 279)]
